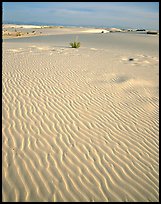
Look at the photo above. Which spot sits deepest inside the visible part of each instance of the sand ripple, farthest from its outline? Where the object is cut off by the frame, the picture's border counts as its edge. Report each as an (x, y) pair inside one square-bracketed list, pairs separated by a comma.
[(77, 131)]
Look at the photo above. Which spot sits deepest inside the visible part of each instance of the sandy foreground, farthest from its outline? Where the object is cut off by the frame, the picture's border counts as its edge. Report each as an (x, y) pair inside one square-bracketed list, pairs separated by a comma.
[(81, 124)]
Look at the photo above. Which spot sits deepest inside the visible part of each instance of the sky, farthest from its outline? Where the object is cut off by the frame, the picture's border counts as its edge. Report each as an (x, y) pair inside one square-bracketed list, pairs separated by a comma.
[(106, 14)]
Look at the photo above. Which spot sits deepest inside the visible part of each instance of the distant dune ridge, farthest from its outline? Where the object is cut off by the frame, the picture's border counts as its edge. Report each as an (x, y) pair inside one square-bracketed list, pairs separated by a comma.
[(17, 31), (80, 124)]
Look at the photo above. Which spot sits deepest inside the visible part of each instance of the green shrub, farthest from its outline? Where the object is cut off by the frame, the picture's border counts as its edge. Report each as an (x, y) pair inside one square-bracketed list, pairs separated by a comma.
[(75, 44)]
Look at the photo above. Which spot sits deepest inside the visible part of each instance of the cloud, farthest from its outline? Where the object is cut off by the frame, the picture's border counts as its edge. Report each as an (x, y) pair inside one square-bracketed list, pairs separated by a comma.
[(96, 13), (104, 10), (71, 12)]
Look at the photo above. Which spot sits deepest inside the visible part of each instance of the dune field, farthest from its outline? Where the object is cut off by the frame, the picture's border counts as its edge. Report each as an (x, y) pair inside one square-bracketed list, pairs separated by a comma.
[(81, 124)]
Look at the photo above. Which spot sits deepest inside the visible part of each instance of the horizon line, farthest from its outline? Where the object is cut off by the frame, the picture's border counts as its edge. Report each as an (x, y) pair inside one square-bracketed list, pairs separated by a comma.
[(76, 25)]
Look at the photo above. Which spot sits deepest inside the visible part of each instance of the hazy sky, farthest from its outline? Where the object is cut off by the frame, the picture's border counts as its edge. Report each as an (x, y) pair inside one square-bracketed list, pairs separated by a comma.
[(123, 14)]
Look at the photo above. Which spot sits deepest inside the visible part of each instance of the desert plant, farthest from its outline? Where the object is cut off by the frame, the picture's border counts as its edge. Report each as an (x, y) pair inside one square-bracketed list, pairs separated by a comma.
[(75, 44)]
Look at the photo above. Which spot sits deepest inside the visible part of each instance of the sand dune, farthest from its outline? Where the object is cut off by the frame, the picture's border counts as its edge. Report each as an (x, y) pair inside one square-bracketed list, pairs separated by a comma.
[(21, 31), (96, 30), (20, 26), (79, 125)]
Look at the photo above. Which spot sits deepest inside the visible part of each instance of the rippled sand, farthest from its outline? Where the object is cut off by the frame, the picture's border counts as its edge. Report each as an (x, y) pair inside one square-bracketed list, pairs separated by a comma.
[(79, 125)]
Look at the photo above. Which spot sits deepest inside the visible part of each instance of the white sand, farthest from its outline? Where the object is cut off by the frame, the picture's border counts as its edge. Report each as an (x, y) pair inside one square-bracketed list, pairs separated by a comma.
[(95, 31), (10, 30), (20, 26), (79, 124)]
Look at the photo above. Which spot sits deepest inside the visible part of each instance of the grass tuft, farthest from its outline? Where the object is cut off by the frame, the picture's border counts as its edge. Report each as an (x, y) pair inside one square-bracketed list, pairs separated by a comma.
[(75, 44)]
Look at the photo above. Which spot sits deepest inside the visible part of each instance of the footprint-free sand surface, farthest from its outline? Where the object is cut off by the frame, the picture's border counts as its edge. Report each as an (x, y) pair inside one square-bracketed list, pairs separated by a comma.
[(81, 124)]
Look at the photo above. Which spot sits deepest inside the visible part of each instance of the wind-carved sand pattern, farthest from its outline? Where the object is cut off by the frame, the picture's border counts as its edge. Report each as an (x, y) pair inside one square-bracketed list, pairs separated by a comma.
[(77, 128), (141, 60)]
